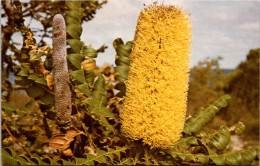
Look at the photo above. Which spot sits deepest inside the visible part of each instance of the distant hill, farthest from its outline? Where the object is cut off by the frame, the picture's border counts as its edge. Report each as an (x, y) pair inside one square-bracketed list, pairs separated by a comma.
[(227, 71)]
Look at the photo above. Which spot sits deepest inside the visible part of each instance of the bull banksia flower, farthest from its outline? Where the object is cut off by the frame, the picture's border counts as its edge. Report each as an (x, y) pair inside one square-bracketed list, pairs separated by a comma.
[(156, 96)]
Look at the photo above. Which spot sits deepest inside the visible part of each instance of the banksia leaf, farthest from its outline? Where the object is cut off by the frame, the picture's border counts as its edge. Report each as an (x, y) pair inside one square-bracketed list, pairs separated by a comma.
[(240, 128), (156, 95), (63, 106), (202, 116), (221, 139)]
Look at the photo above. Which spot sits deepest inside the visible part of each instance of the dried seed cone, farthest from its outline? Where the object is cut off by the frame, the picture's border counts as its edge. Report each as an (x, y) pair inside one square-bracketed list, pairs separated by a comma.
[(63, 106), (155, 103)]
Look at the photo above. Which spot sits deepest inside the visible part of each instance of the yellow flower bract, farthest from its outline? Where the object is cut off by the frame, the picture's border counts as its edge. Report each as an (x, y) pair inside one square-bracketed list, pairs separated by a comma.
[(155, 103)]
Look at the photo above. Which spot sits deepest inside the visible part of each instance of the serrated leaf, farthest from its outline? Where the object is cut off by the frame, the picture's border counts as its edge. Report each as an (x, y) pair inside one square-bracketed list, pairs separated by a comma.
[(218, 159), (64, 162), (72, 20), (76, 14), (79, 161), (248, 156), (202, 116), (75, 45), (240, 128), (33, 77), (74, 30), (204, 159), (101, 156), (89, 52), (23, 72), (75, 60), (49, 161), (184, 142), (233, 159), (78, 75), (7, 159), (121, 86), (41, 81), (37, 159), (117, 42), (22, 81), (35, 56), (84, 89), (124, 49), (123, 73), (90, 76), (221, 139), (73, 5)]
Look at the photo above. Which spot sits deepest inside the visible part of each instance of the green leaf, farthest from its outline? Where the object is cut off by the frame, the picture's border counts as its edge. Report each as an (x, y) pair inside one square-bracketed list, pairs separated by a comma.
[(75, 45), (37, 159), (89, 52), (123, 73), (90, 76), (72, 20), (103, 121), (41, 81), (84, 89), (49, 161), (64, 162), (101, 157), (78, 75), (204, 159), (121, 86), (35, 91), (35, 56), (202, 116), (240, 128), (23, 81), (48, 63), (248, 156), (218, 159), (187, 141), (7, 107), (122, 59), (233, 159), (102, 48), (37, 79), (7, 159), (33, 77), (23, 72), (75, 60), (74, 30), (73, 5), (221, 139), (117, 42), (76, 14), (47, 98), (124, 49)]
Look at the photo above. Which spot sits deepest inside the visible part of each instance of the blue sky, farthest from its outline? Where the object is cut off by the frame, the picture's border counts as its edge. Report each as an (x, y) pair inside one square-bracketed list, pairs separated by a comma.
[(220, 28)]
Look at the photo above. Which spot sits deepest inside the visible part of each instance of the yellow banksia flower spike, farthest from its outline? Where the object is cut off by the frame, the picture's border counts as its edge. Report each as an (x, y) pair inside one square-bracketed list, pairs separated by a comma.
[(156, 95)]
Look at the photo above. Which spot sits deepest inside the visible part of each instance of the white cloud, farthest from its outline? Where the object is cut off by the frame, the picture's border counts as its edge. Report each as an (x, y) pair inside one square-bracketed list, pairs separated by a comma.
[(253, 26)]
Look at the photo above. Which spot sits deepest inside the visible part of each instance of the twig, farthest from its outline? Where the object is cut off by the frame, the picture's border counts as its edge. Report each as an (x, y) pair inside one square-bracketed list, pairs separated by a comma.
[(46, 126), (15, 140)]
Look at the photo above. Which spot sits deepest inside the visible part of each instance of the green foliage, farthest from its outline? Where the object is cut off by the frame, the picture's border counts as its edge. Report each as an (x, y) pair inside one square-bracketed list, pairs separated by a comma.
[(123, 63), (203, 116), (243, 85), (221, 139)]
